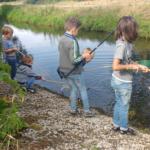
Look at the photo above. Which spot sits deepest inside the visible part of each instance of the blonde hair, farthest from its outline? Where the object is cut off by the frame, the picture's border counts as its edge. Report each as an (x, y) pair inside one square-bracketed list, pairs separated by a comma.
[(6, 29)]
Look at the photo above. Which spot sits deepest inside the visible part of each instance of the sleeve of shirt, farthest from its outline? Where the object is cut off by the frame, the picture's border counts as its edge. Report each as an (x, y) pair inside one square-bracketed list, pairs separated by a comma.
[(119, 53), (30, 72), (74, 56)]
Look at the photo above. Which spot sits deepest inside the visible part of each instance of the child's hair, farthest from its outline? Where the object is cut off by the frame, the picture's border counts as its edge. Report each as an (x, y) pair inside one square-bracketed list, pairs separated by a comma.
[(127, 27), (72, 22), (88, 49), (6, 29), (27, 59)]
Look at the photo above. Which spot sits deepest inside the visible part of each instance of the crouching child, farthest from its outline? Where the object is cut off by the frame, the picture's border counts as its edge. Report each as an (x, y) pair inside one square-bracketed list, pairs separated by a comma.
[(25, 75)]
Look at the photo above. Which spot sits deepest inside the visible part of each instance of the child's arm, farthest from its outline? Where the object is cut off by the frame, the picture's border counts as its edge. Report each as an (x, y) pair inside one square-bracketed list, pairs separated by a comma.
[(7, 48), (119, 56), (76, 57), (118, 66), (29, 72)]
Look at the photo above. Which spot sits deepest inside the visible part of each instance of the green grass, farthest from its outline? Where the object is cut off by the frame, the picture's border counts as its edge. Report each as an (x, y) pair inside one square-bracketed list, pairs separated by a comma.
[(10, 122), (44, 18), (98, 19)]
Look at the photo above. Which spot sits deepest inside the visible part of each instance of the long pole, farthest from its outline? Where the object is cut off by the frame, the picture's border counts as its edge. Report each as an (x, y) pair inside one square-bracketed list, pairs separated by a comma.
[(21, 53)]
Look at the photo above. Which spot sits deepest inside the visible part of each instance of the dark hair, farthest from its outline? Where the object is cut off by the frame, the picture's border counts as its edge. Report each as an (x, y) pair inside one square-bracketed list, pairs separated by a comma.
[(71, 23), (127, 28)]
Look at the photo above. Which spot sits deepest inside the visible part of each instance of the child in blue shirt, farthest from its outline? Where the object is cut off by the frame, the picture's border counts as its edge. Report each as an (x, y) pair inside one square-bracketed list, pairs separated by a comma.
[(9, 49)]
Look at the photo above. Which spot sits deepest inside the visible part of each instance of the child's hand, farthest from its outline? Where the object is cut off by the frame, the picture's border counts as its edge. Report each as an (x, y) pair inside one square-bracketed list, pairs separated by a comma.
[(86, 55), (138, 67), (144, 68), (134, 67), (42, 78), (15, 49), (38, 78)]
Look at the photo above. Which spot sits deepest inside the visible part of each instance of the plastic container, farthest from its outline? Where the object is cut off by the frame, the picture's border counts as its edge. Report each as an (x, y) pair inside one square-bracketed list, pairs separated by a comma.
[(145, 63)]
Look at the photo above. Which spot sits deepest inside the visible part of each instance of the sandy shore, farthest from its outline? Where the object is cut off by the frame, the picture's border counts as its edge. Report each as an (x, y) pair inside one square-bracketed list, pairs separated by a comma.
[(53, 128)]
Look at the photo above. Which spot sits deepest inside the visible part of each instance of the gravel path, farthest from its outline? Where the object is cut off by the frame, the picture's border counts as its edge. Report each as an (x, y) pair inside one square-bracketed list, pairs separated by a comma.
[(53, 128)]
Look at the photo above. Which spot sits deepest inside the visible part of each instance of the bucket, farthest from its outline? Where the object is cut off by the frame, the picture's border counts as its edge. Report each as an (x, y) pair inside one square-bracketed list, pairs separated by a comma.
[(145, 63)]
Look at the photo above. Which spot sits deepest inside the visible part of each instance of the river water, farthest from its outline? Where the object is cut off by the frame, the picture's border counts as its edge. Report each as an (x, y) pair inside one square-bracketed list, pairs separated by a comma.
[(44, 48)]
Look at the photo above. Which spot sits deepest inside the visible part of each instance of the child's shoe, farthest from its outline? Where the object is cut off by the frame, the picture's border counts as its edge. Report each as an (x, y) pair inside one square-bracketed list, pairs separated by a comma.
[(89, 114), (129, 131), (31, 90), (115, 129), (73, 112)]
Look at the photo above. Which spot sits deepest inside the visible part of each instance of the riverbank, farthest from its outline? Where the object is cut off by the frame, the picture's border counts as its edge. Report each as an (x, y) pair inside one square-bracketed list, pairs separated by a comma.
[(94, 15), (52, 127)]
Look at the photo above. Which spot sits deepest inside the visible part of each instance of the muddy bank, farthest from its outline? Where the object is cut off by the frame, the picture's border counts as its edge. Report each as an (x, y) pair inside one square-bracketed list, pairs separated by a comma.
[(51, 127)]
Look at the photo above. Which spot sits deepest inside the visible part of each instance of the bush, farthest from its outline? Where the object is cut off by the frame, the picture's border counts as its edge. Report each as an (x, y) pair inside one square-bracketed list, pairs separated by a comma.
[(10, 122)]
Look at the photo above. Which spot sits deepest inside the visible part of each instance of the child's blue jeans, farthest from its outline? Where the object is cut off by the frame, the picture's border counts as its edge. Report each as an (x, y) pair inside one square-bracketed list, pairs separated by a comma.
[(123, 92), (30, 82), (11, 60), (77, 85)]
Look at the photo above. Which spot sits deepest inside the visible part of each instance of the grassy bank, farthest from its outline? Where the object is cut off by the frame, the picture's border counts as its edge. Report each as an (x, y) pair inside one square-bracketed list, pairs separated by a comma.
[(93, 19), (11, 97)]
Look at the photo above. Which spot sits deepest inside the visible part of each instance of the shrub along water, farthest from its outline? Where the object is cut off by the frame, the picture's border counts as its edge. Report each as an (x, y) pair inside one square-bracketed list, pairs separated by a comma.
[(11, 96)]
